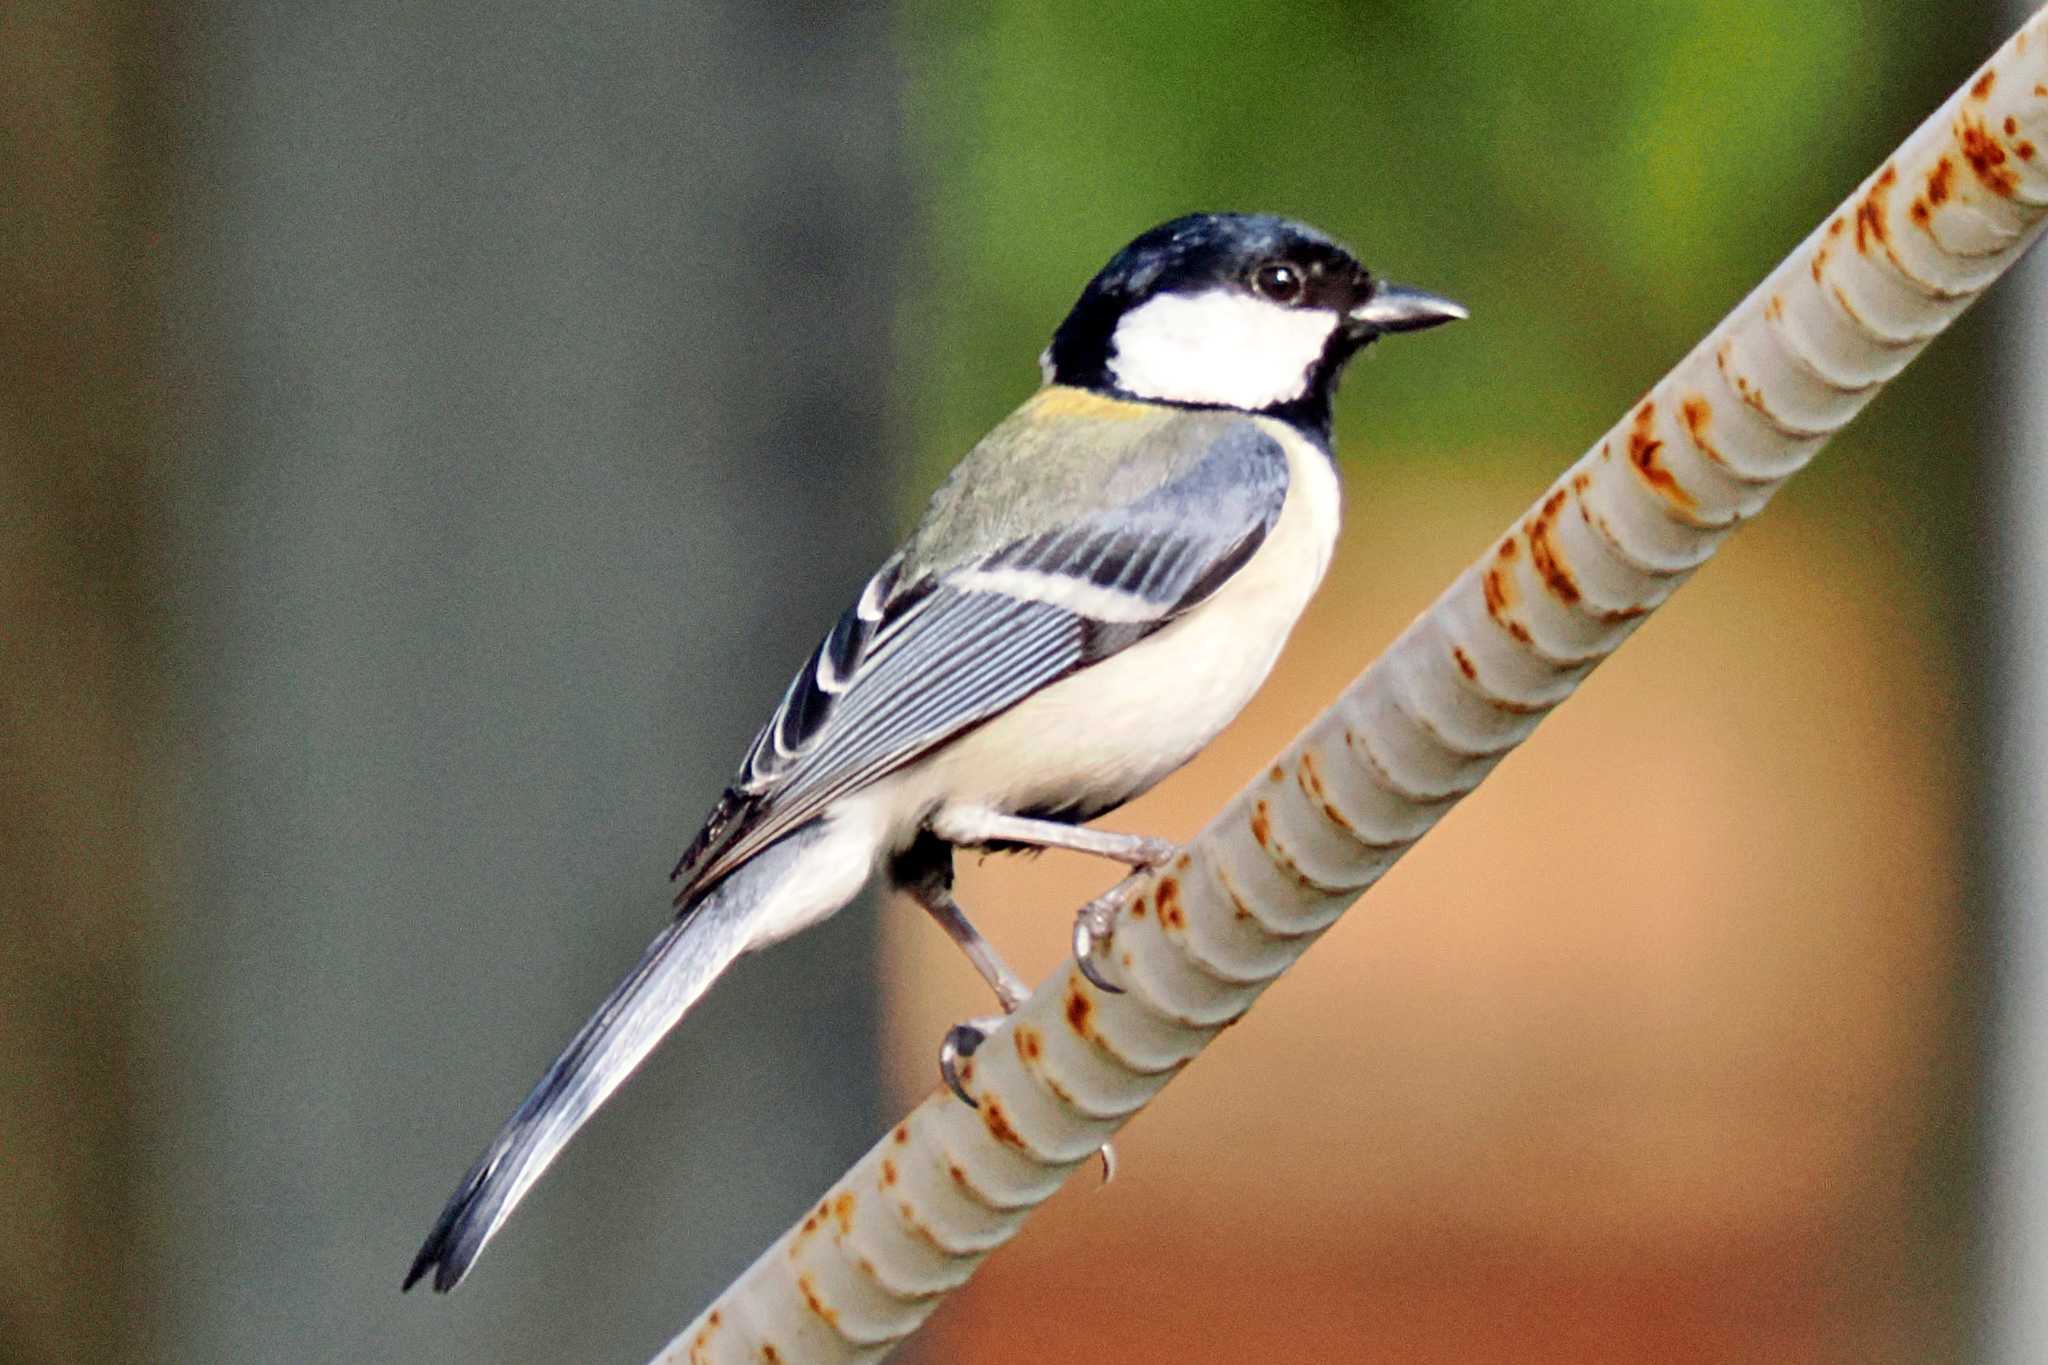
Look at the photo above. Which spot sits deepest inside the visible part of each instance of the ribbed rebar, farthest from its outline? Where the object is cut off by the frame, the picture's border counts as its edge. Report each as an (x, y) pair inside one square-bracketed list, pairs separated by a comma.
[(1700, 454)]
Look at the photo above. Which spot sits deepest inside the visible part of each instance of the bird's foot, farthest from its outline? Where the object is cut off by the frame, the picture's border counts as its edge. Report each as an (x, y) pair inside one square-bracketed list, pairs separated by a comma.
[(1095, 925), (962, 1041), (1094, 931), (1148, 851)]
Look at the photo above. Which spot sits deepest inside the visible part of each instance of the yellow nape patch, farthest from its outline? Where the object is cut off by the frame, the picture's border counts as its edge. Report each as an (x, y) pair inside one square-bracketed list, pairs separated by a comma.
[(1064, 400)]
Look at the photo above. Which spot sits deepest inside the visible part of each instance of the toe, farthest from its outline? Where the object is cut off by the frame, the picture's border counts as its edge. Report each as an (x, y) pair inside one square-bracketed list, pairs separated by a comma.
[(961, 1043), (1093, 929)]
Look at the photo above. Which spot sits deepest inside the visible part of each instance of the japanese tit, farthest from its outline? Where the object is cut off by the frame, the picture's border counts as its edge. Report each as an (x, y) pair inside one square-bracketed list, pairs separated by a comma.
[(1098, 588)]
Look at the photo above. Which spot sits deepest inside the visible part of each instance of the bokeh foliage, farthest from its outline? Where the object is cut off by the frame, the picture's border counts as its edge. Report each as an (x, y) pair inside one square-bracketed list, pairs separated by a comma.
[(1598, 180)]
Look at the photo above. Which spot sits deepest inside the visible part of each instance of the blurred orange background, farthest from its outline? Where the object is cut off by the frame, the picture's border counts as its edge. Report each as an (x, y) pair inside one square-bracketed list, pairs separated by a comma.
[(1641, 1056)]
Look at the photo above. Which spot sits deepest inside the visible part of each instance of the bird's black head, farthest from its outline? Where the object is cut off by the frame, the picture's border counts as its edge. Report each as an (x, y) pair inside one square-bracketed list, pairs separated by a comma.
[(1232, 310)]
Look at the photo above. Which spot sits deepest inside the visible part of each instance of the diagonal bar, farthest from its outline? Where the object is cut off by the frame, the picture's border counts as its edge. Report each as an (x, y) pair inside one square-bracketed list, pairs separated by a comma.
[(1513, 636)]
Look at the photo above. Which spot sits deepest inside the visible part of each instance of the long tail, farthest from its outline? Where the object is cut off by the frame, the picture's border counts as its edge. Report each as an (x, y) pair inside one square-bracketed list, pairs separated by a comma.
[(677, 968)]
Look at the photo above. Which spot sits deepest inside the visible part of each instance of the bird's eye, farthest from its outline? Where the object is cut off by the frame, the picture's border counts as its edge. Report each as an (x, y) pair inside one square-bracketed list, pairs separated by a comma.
[(1278, 281)]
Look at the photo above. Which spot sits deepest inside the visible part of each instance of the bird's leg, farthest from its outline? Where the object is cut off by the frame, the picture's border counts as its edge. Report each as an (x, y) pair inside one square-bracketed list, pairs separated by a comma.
[(975, 825), (929, 882), (1096, 923), (939, 904), (934, 892)]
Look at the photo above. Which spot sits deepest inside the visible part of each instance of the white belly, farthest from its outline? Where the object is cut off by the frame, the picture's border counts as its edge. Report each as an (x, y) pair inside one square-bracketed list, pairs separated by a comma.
[(1119, 726)]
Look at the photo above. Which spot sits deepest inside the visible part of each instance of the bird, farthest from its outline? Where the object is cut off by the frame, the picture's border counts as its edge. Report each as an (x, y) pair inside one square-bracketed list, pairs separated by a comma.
[(1096, 590)]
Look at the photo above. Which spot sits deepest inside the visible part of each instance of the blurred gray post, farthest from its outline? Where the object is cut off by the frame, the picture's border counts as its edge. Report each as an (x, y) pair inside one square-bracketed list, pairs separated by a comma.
[(534, 360), (2016, 1198)]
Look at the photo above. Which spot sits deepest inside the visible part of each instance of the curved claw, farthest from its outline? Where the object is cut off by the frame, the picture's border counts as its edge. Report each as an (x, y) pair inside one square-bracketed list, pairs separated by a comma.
[(1095, 976), (1093, 929), (961, 1042)]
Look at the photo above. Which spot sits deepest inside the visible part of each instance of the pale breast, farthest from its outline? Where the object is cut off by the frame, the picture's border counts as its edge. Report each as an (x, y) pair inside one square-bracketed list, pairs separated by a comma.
[(1113, 730)]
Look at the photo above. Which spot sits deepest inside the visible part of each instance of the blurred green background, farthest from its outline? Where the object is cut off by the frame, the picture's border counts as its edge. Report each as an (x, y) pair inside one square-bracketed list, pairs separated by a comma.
[(428, 438)]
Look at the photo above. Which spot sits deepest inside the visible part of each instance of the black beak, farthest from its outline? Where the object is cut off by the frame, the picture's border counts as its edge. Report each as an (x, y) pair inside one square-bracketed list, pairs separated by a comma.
[(1397, 308)]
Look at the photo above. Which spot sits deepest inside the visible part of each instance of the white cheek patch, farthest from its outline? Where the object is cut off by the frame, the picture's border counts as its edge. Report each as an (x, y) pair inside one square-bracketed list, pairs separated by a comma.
[(1219, 347)]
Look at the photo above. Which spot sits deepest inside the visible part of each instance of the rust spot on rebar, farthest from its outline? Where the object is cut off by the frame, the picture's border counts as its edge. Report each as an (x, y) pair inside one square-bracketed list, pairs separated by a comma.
[(1312, 785), (700, 1345), (902, 1134), (1499, 589), (1986, 155), (1941, 182), (1029, 1044), (1262, 824), (1870, 213), (1696, 412), (1982, 89), (1741, 383), (888, 1173), (1543, 552), (1464, 662), (1079, 1007), (999, 1126), (908, 1213), (1170, 913), (809, 1289), (842, 1212), (1238, 909), (1556, 576), (1820, 253), (1642, 453)]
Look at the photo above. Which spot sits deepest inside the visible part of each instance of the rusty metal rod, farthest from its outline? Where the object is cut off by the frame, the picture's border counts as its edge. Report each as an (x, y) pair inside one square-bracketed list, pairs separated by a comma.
[(1702, 453)]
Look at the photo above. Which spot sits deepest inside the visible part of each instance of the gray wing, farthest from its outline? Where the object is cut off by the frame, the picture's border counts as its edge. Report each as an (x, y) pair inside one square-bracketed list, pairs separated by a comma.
[(919, 661)]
